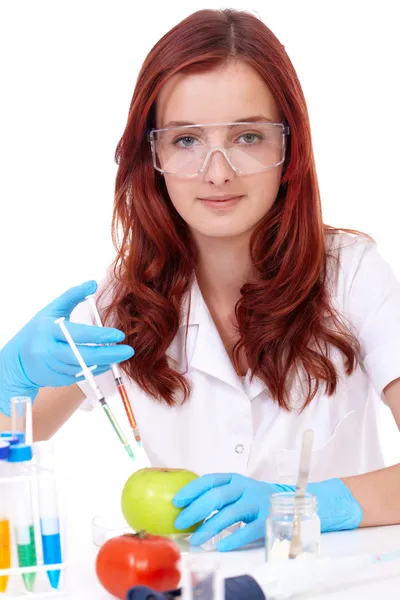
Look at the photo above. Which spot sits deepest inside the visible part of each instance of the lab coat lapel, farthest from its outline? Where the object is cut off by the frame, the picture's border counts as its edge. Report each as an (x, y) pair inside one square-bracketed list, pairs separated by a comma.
[(210, 355), (256, 387), (205, 350)]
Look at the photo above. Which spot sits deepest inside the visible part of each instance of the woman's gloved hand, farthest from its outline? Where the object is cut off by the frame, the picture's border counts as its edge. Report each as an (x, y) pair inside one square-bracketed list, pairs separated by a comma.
[(39, 355), (235, 497), (241, 499)]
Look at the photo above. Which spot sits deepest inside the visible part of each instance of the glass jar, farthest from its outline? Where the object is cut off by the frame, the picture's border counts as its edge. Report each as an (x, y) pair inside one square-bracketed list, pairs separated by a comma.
[(279, 526)]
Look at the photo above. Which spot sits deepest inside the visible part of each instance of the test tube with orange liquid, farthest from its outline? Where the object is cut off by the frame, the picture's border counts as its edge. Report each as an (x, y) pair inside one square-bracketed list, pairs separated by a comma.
[(5, 543)]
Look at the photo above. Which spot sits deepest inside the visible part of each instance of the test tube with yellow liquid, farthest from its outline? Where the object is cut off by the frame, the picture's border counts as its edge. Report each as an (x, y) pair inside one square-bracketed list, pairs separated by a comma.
[(32, 549), (5, 542)]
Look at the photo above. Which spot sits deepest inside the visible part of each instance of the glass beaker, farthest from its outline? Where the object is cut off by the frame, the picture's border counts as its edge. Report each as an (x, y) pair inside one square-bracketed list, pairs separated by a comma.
[(279, 526), (201, 578)]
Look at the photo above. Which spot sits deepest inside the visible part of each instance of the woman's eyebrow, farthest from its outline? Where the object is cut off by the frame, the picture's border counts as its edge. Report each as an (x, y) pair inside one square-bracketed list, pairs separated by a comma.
[(251, 119)]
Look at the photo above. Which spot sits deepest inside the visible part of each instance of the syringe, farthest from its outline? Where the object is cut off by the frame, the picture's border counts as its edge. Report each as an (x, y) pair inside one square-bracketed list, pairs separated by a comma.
[(118, 378), (92, 382)]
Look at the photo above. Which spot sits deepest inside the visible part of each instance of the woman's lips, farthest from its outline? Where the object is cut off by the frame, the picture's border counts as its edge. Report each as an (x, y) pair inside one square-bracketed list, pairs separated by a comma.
[(222, 203)]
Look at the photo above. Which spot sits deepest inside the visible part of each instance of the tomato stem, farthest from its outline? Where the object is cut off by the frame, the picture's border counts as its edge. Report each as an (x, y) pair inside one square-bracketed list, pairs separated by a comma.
[(141, 534)]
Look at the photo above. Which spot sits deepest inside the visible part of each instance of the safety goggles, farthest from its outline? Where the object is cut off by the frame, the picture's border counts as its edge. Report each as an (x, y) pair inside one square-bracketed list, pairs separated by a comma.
[(249, 147)]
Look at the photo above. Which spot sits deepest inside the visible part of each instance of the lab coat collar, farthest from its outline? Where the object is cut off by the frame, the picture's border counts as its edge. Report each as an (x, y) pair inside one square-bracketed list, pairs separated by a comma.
[(205, 350)]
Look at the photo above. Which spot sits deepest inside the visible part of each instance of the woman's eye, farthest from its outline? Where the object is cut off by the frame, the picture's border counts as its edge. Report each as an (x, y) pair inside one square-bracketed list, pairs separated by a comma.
[(185, 139), (252, 136), (188, 141)]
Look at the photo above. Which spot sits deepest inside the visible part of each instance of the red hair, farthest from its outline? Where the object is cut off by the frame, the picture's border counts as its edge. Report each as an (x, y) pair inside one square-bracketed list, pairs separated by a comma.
[(282, 313)]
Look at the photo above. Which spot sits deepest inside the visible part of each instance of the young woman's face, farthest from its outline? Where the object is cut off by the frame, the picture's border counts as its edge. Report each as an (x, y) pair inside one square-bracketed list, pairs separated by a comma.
[(220, 96)]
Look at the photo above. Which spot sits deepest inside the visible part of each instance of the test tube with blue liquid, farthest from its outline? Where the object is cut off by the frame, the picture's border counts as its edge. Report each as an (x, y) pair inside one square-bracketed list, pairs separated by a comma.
[(48, 509), (32, 511)]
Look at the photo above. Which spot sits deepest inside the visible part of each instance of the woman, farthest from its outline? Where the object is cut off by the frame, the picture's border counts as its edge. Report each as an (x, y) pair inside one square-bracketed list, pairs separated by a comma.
[(250, 319)]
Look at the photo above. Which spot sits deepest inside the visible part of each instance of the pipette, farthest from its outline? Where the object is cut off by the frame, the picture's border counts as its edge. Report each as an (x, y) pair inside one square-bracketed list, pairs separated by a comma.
[(289, 578), (92, 382), (118, 377), (302, 480)]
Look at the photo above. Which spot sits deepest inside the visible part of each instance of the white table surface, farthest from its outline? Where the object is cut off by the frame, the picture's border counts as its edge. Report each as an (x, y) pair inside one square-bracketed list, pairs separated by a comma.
[(381, 580)]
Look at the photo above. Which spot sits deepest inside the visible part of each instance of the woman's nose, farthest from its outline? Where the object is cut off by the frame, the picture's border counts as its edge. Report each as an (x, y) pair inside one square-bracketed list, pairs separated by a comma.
[(217, 168)]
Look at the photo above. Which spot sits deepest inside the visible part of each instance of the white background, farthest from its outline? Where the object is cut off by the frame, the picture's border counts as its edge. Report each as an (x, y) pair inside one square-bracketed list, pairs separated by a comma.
[(68, 71)]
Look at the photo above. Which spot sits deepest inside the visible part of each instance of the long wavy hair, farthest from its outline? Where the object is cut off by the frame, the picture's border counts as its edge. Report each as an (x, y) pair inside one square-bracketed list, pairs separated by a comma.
[(284, 316)]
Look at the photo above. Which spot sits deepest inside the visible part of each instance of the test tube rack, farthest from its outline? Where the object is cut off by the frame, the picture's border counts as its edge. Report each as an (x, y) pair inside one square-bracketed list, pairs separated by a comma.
[(15, 588)]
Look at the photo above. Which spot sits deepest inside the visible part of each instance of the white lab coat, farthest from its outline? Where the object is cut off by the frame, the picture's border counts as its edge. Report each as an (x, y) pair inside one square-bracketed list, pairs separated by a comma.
[(232, 425)]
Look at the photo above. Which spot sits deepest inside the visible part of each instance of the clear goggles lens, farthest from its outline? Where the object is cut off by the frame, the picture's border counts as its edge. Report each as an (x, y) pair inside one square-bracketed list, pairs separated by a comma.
[(248, 147)]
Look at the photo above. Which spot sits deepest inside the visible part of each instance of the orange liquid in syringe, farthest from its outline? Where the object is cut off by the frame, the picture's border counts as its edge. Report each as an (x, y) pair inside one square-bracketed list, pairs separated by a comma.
[(127, 405), (128, 410)]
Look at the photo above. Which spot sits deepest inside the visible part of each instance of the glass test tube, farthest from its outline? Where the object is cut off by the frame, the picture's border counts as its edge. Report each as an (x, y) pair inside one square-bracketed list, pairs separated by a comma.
[(48, 509), (19, 458), (5, 543), (21, 418)]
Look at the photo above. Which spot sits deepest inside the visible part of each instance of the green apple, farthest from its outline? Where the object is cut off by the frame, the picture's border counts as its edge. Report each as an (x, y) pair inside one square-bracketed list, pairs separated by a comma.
[(146, 500)]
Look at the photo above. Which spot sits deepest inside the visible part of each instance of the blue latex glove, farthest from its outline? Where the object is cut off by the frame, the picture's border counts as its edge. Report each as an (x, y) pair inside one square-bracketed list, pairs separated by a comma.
[(337, 507), (39, 355), (238, 498), (235, 497)]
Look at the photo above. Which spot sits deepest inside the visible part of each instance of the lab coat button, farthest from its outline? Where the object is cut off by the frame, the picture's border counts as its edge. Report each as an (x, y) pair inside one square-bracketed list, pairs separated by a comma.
[(239, 448)]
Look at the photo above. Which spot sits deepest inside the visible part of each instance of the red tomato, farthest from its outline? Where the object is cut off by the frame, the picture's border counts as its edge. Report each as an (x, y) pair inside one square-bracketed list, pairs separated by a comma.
[(138, 559)]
